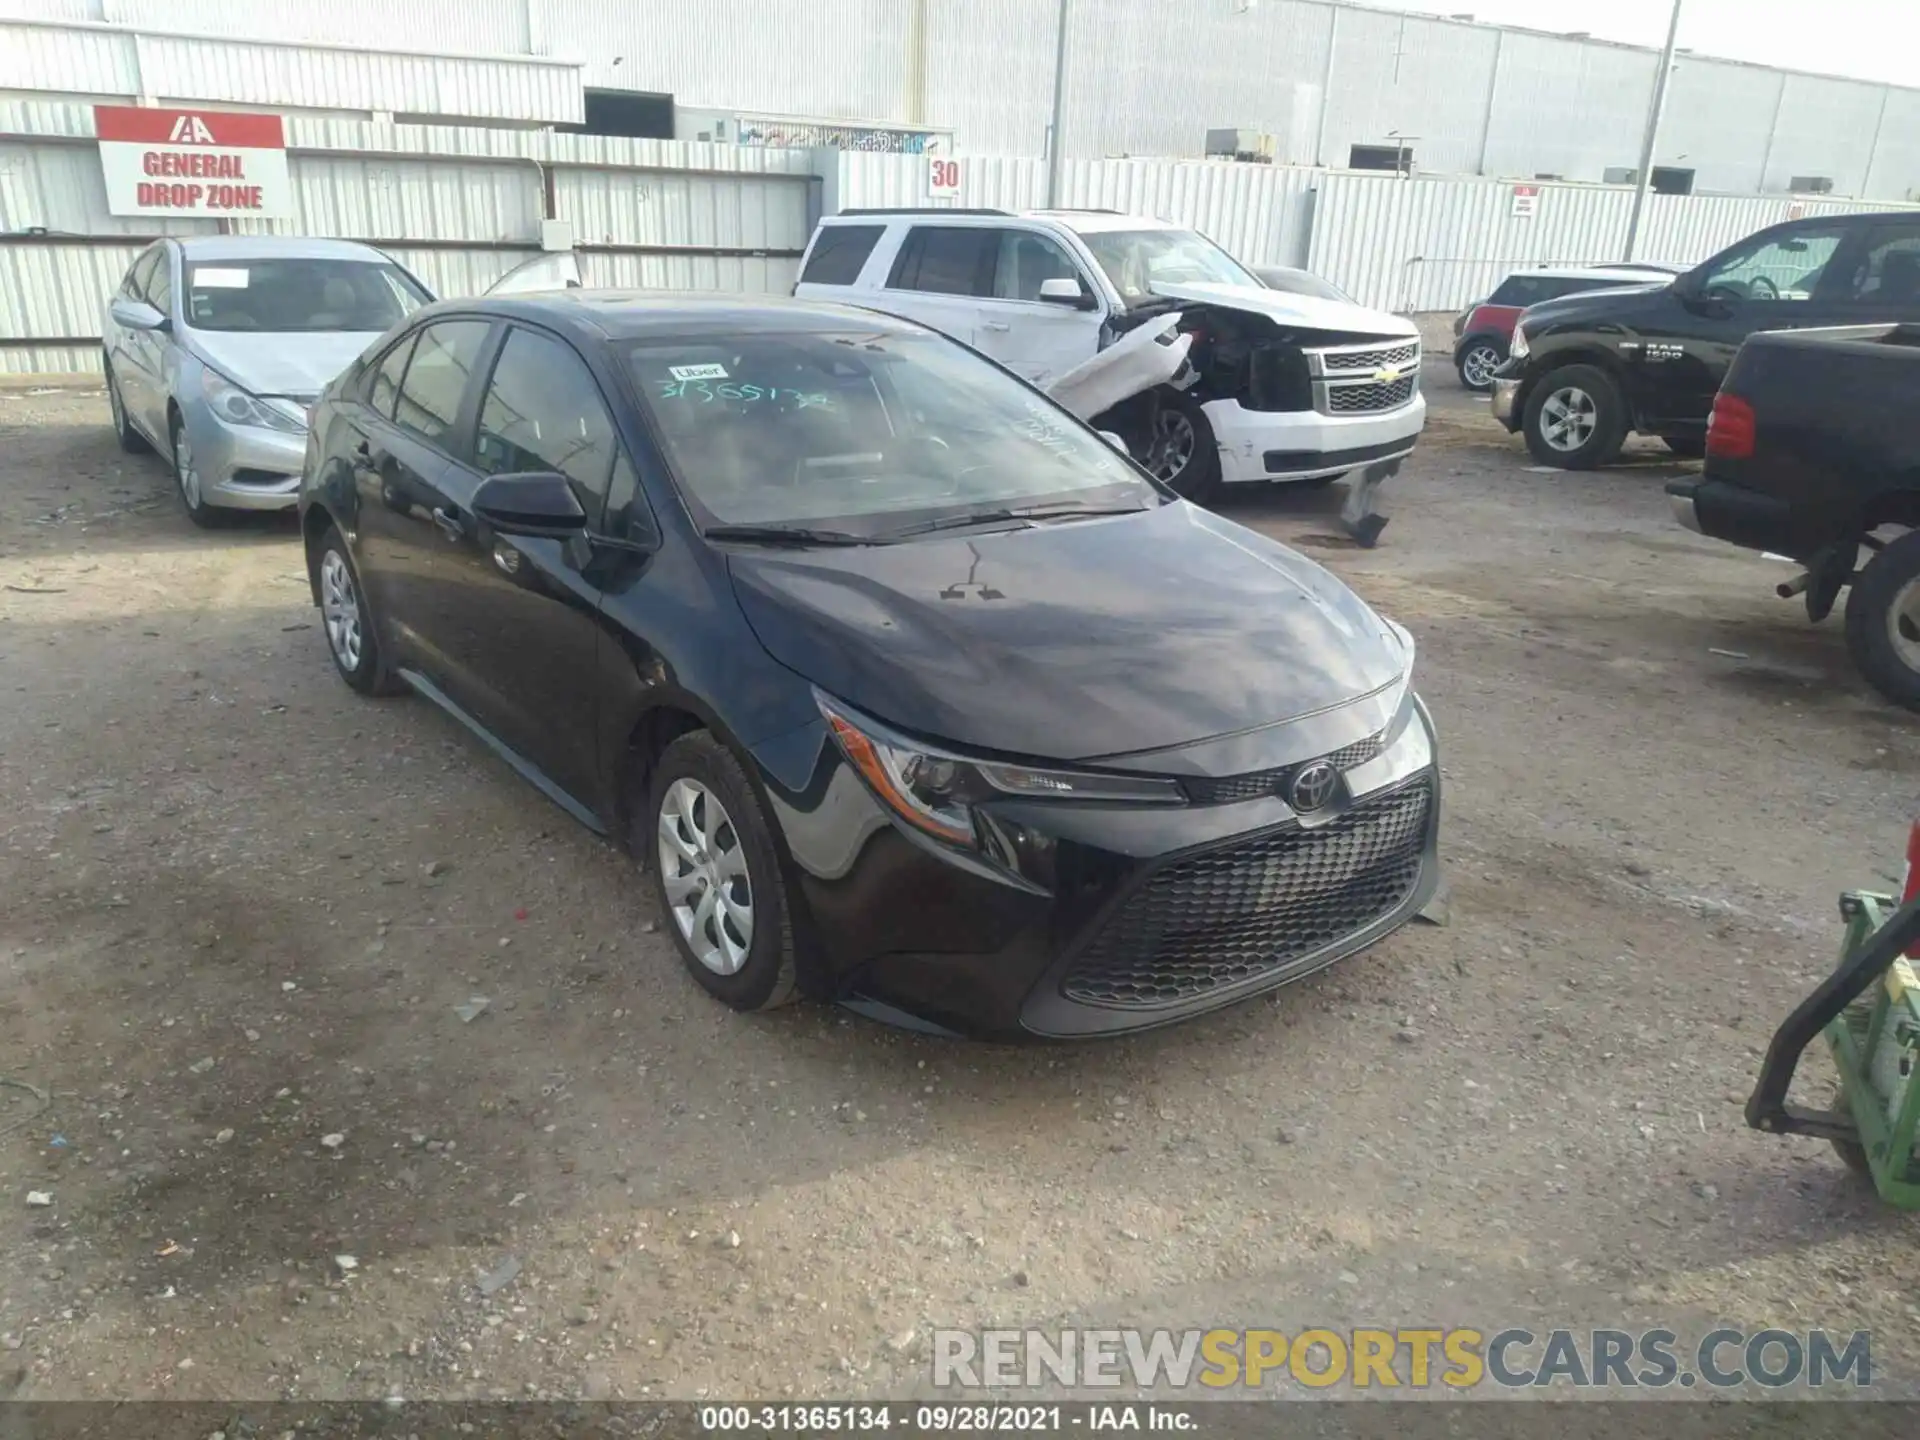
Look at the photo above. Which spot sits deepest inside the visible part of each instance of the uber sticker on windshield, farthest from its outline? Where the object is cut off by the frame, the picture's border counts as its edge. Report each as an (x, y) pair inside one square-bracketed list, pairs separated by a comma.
[(697, 372), (206, 278)]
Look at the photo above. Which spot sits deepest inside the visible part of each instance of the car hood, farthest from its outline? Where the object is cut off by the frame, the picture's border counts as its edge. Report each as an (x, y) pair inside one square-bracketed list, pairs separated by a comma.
[(298, 365), (1591, 305), (1071, 640), (1289, 308)]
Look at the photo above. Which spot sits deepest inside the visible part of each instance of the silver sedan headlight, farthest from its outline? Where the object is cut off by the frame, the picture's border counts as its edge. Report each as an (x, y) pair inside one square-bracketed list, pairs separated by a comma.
[(237, 407)]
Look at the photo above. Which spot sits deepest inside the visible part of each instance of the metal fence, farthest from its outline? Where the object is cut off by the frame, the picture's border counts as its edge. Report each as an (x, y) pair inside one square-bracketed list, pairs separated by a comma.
[(458, 206)]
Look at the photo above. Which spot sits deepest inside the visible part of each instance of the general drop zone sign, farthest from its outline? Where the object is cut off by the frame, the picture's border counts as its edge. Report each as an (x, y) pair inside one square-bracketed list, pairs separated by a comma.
[(193, 162)]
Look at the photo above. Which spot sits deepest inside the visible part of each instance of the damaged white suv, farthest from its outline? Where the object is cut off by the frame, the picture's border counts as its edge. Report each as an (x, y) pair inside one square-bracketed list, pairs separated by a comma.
[(1291, 386)]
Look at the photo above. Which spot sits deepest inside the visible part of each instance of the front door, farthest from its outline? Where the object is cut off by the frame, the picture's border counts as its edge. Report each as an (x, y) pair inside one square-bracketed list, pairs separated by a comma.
[(1039, 340), (520, 632), (1783, 281)]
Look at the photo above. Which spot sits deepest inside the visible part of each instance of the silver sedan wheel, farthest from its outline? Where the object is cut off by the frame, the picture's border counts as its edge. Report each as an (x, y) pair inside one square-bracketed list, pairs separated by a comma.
[(704, 869), (1171, 449), (1479, 364), (1568, 419), (340, 609), (183, 468), (1903, 625)]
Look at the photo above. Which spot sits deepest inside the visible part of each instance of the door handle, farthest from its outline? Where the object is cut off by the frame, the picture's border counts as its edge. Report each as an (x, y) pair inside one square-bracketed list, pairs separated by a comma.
[(450, 525), (1000, 326)]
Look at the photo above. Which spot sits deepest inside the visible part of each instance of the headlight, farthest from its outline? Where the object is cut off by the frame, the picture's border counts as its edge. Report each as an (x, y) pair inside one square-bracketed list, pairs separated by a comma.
[(1519, 349), (237, 407), (935, 791)]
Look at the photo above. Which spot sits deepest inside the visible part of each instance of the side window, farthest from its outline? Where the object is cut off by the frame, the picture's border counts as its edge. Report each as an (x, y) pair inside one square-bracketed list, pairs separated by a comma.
[(1026, 261), (134, 287), (444, 358), (160, 287), (947, 260), (839, 253), (543, 411), (1888, 274), (1522, 290), (383, 387), (1787, 267)]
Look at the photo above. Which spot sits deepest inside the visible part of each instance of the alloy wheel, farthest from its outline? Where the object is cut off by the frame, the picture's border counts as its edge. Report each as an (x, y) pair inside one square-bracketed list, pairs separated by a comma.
[(183, 468), (1568, 419), (1903, 625), (1479, 364), (704, 869), (1172, 447), (340, 610)]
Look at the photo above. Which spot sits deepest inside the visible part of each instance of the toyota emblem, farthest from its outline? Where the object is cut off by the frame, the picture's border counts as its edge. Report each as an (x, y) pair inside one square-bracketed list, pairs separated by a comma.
[(1314, 786)]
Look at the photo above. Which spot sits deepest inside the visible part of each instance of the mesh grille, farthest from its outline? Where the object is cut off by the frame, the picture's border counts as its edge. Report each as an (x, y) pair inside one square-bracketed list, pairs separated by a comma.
[(1255, 908), (1232, 789), (1363, 399), (1338, 360)]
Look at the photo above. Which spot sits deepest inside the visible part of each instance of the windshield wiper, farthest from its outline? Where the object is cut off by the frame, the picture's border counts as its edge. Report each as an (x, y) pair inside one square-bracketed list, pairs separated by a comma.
[(785, 535), (1002, 514)]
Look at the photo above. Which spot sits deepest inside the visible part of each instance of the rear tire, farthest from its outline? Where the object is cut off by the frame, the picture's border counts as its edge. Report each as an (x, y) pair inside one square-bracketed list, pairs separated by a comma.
[(131, 440), (715, 864), (1576, 419), (1476, 364), (1181, 451), (1883, 621)]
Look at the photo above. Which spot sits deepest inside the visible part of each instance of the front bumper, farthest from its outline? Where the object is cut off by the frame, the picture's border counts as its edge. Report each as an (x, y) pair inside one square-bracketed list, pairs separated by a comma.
[(1305, 444), (1506, 403), (1098, 920), (243, 467)]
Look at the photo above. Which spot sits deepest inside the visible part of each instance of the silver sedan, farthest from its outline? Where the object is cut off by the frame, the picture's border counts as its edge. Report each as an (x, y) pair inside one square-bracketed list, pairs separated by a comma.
[(216, 345)]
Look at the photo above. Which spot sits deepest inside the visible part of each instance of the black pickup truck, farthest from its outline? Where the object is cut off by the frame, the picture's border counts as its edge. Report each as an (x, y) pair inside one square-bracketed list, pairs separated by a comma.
[(1813, 452)]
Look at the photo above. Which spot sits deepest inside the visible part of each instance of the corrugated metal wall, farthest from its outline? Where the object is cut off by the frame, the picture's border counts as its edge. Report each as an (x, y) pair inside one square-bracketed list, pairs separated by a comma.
[(459, 207)]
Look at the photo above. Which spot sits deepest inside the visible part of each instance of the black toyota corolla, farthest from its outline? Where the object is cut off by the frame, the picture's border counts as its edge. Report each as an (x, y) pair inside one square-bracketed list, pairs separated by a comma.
[(910, 691)]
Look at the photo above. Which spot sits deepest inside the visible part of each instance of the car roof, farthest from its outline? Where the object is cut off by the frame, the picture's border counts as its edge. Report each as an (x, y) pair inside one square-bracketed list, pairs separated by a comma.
[(1596, 272), (1085, 222), (273, 247), (643, 314)]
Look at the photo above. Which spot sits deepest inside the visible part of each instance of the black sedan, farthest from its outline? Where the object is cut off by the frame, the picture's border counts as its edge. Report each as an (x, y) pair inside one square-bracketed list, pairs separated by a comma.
[(910, 692)]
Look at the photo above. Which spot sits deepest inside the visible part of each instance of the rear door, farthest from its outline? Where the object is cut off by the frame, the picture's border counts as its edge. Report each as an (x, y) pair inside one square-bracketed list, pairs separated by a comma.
[(941, 275), (1037, 339), (417, 398)]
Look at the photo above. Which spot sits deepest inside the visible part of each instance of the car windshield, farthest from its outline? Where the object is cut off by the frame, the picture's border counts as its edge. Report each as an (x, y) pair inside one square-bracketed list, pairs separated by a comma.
[(286, 294), (866, 433), (1137, 260)]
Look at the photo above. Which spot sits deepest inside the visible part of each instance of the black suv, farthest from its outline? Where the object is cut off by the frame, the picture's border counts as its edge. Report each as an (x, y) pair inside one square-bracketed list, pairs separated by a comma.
[(1588, 370)]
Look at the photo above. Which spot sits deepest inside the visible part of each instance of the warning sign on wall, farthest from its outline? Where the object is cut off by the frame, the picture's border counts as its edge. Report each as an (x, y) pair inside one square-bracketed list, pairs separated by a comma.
[(1526, 201), (193, 162)]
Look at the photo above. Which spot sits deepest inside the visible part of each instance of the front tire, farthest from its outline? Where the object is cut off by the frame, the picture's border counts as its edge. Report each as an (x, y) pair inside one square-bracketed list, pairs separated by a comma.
[(1883, 621), (131, 440), (1476, 364), (717, 875), (352, 637), (187, 480), (1576, 419), (1181, 451)]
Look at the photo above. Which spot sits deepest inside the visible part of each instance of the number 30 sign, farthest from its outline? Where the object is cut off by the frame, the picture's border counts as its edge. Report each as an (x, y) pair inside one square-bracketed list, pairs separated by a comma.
[(943, 176)]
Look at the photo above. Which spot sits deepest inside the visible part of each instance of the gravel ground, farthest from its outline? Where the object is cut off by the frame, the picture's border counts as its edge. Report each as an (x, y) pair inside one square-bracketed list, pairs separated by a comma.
[(245, 908)]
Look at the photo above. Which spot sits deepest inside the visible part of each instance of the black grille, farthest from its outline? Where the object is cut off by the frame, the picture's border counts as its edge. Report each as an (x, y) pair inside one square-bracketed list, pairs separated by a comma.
[(1337, 361), (1364, 399), (1255, 908), (1232, 789)]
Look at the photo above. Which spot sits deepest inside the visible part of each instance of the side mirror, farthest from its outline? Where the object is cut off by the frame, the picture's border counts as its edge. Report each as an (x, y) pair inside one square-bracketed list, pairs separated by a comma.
[(536, 503), (137, 315), (1064, 290), (1116, 442)]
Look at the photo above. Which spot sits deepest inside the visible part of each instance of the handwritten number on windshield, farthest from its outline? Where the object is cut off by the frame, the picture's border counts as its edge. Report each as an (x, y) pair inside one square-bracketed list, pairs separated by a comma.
[(706, 392)]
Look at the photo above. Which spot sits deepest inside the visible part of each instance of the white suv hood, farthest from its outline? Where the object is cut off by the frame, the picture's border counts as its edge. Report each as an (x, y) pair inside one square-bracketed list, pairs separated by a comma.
[(1290, 309)]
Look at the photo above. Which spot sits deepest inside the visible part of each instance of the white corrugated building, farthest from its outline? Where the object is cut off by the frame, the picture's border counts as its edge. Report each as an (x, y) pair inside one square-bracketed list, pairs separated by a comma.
[(1147, 77)]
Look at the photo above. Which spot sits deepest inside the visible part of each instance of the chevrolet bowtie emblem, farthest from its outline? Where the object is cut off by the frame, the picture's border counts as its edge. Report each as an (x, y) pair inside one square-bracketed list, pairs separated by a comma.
[(1386, 375)]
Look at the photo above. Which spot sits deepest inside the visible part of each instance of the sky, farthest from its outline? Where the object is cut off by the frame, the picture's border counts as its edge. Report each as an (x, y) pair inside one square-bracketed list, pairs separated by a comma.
[(1867, 39)]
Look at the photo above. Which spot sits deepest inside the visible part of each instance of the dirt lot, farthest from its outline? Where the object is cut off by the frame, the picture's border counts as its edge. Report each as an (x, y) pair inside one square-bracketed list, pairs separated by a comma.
[(243, 906)]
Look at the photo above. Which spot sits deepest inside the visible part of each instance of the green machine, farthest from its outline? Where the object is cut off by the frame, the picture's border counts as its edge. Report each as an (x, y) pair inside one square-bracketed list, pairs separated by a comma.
[(1868, 1012)]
